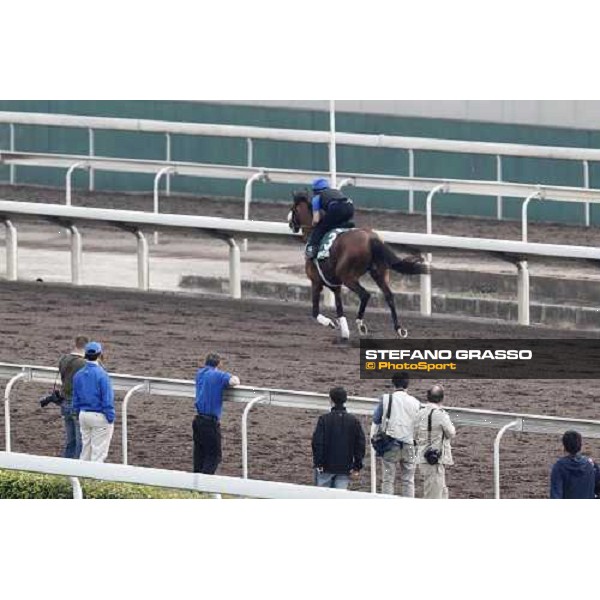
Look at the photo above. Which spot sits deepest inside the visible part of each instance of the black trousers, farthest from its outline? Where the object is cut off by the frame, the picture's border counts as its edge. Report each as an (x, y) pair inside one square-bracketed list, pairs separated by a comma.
[(207, 444), (337, 214)]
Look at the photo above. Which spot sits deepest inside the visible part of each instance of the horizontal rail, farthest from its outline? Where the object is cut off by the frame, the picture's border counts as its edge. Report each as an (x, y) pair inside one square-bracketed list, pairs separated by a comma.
[(230, 227), (300, 177), (183, 388), (215, 484), (301, 136)]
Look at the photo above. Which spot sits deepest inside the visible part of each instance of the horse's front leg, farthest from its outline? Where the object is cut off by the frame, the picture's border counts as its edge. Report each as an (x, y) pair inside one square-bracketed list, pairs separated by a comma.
[(339, 308), (316, 302)]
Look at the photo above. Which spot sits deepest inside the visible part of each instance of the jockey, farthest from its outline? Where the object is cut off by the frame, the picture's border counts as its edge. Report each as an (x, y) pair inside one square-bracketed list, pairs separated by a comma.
[(331, 209)]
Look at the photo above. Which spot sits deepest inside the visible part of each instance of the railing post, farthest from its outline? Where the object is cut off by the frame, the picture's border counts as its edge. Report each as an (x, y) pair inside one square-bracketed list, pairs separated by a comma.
[(373, 460), (332, 145), (235, 269), (497, 455), (245, 414), (91, 153), (141, 386), (411, 173), (523, 292), (12, 168), (586, 184), (76, 486), (443, 187), (12, 251), (499, 211), (24, 374), (344, 182), (250, 151), (524, 209), (260, 176), (143, 261), (161, 172), (168, 157), (76, 255), (68, 180)]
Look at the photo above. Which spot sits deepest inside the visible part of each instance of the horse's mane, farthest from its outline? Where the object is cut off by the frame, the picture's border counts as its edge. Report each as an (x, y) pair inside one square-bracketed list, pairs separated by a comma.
[(302, 196)]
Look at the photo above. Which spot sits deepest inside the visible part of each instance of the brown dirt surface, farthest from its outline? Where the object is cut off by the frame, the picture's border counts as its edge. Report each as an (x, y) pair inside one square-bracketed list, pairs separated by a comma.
[(268, 344)]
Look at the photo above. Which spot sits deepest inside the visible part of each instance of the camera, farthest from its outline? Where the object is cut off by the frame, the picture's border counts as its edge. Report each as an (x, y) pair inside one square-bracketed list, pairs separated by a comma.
[(54, 398), (432, 456)]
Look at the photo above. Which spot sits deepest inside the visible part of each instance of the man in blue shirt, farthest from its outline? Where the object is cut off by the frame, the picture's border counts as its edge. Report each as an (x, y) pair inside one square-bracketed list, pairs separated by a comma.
[(573, 476), (210, 384), (94, 402), (331, 209)]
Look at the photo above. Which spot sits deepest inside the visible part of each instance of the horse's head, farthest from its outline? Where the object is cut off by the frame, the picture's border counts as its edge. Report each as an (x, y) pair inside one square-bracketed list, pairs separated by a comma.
[(300, 216)]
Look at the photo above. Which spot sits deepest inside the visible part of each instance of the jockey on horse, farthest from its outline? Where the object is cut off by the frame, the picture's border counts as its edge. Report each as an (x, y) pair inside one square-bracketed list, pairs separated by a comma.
[(331, 209)]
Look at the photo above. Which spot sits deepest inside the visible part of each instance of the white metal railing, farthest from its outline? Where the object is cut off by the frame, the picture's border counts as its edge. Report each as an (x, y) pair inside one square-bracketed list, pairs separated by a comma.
[(515, 251), (411, 144), (181, 480), (180, 388)]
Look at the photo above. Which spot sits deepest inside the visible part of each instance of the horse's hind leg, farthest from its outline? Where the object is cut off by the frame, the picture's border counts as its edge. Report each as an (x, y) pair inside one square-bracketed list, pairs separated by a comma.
[(364, 296), (339, 308), (380, 275)]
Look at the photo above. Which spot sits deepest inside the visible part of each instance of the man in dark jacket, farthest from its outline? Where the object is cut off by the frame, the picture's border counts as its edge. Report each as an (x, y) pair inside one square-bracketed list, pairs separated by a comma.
[(573, 476), (338, 444)]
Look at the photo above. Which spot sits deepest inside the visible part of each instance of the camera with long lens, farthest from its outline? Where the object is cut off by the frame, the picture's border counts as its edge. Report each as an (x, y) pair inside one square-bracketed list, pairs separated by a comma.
[(54, 398)]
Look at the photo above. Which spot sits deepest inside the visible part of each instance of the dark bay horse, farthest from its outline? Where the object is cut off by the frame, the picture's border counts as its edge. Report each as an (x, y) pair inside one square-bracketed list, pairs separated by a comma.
[(353, 254)]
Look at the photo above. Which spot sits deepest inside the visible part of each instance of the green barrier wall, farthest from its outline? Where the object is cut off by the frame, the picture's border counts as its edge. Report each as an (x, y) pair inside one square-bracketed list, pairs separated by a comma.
[(306, 156)]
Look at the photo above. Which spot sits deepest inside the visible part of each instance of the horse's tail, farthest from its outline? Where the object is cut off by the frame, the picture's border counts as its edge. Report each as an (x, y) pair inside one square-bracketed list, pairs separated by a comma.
[(382, 253)]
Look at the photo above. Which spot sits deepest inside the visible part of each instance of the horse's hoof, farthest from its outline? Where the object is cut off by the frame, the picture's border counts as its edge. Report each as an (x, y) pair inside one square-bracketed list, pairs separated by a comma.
[(403, 333), (361, 326), (341, 341)]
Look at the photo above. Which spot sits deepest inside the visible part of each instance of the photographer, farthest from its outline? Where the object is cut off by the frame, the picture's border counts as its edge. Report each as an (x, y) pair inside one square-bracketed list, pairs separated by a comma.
[(68, 365), (574, 476), (433, 432)]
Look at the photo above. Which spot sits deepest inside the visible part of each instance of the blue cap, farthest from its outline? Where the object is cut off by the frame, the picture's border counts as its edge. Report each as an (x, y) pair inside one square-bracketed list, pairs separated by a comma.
[(320, 184), (93, 348)]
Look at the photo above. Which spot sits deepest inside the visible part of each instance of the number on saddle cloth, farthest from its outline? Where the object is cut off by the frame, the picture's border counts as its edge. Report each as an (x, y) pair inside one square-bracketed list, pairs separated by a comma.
[(327, 241)]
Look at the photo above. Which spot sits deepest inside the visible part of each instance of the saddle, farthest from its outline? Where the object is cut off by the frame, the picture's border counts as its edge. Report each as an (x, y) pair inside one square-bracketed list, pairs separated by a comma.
[(330, 237)]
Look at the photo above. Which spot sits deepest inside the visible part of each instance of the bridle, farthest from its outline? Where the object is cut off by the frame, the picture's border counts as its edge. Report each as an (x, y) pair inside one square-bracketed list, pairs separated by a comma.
[(293, 220)]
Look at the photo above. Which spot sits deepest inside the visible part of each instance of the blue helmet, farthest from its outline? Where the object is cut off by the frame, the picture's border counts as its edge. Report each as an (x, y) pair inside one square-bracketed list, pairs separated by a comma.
[(320, 185)]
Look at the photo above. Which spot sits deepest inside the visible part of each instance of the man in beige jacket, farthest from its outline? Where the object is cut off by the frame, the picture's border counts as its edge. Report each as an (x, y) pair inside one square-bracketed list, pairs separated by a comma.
[(433, 432)]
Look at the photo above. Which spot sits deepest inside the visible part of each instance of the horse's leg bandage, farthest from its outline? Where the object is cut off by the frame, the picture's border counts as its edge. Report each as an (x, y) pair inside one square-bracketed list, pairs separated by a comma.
[(345, 332), (326, 321)]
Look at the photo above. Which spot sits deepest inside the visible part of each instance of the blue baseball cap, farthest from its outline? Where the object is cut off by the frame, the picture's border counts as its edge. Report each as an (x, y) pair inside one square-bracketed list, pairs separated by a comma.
[(320, 184), (93, 348)]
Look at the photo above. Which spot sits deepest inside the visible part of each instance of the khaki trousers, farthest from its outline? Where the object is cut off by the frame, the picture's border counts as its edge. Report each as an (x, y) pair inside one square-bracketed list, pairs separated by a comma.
[(404, 459), (96, 433), (434, 481)]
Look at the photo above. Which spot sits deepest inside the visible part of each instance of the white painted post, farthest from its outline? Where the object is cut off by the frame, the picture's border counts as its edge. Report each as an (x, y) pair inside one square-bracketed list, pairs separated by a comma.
[(168, 157), (524, 209), (344, 182), (12, 168), (373, 460), (411, 173), (328, 298), (7, 391), (76, 487), (143, 261), (250, 151), (76, 255), (499, 211), (425, 279), (245, 432), (141, 386), (332, 149), (260, 176), (68, 180), (586, 184), (497, 456), (161, 172), (12, 249), (523, 292), (91, 154), (235, 270)]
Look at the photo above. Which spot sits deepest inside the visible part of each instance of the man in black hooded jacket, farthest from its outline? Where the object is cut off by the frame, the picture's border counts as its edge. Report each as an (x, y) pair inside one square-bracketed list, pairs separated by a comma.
[(338, 444), (573, 476)]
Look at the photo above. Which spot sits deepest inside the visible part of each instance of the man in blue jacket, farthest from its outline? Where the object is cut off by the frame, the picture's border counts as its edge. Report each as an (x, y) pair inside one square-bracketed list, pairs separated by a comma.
[(573, 476), (93, 400), (211, 382)]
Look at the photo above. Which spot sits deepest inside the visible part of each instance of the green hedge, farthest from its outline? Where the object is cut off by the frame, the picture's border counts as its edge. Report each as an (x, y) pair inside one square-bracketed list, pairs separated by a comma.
[(27, 486)]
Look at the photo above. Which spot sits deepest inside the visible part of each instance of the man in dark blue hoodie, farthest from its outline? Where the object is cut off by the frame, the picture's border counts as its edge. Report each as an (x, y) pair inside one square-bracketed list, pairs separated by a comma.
[(573, 476)]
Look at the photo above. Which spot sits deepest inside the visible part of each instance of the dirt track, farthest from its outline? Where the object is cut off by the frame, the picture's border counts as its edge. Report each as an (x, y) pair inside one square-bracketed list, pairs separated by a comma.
[(267, 344)]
